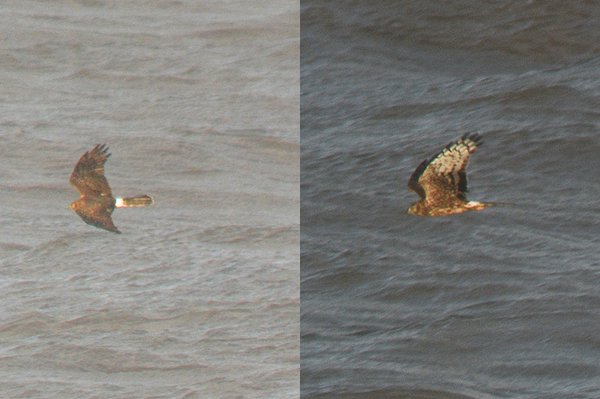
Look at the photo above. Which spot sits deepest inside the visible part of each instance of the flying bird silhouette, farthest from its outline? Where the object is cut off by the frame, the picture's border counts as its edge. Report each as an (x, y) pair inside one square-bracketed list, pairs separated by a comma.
[(97, 204), (442, 182)]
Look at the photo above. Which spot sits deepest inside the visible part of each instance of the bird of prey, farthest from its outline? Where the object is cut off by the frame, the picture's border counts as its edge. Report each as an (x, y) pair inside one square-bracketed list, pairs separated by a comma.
[(96, 204), (442, 182)]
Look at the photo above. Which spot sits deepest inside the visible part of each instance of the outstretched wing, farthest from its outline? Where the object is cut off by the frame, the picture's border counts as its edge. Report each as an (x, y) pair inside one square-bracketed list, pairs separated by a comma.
[(445, 175), (98, 213), (88, 176), (414, 184)]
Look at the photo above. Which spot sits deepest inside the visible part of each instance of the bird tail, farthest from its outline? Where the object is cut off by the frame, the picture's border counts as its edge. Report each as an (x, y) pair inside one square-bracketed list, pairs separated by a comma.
[(480, 205), (140, 200)]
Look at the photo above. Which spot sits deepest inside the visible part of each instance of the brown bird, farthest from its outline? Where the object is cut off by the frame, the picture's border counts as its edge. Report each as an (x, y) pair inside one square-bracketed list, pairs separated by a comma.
[(96, 204), (442, 182)]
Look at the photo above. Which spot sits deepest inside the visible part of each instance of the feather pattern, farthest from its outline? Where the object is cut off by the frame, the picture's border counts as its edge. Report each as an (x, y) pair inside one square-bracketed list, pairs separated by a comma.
[(96, 205), (442, 182)]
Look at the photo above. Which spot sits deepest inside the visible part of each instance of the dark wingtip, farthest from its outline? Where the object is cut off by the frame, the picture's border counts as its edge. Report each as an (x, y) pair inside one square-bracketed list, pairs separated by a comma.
[(102, 149), (475, 137)]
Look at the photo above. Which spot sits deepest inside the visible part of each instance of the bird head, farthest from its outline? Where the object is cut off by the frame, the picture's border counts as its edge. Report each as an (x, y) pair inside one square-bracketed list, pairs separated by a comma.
[(75, 205), (415, 209)]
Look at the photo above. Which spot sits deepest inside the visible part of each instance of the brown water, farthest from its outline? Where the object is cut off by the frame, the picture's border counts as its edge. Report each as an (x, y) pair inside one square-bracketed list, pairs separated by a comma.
[(198, 102)]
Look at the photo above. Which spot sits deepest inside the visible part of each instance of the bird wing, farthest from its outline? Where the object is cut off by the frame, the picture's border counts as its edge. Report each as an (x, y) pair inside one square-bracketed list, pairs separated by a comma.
[(445, 175), (98, 214), (88, 175), (414, 184)]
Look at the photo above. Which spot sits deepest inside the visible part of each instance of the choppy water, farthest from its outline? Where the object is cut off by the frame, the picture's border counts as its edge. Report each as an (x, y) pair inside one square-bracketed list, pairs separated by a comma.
[(492, 304), (198, 102)]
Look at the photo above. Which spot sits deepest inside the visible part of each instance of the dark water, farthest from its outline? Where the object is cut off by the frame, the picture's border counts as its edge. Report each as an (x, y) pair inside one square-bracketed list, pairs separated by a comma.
[(499, 303)]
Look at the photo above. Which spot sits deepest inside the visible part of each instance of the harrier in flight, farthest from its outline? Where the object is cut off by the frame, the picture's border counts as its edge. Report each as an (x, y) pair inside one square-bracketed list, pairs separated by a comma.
[(442, 182), (97, 204)]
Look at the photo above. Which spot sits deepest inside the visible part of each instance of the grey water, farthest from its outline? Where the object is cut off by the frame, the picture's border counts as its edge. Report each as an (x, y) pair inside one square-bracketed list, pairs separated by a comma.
[(503, 302), (199, 104)]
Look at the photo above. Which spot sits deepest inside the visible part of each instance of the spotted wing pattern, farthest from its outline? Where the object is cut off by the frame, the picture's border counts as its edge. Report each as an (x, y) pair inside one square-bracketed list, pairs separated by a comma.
[(88, 177), (444, 178)]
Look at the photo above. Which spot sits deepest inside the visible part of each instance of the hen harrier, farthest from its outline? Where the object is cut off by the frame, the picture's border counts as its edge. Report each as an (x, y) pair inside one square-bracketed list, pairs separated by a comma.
[(442, 182), (97, 203)]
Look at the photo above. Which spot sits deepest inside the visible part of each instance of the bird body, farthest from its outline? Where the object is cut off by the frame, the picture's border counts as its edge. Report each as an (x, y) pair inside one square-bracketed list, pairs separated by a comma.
[(97, 204), (442, 181)]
